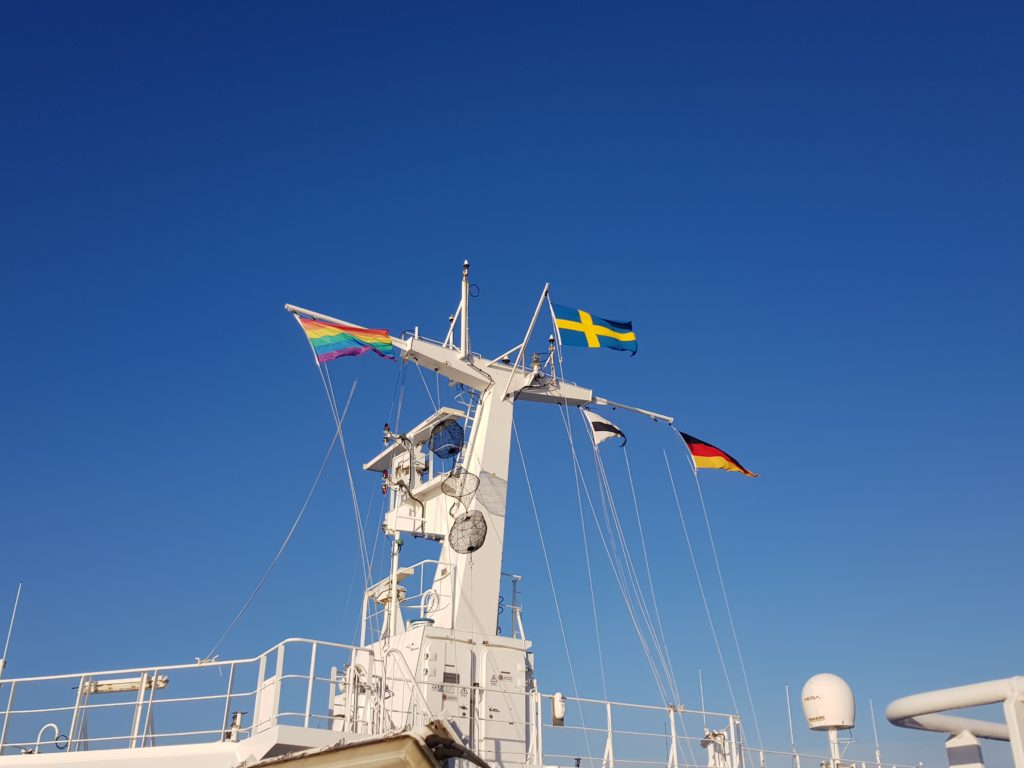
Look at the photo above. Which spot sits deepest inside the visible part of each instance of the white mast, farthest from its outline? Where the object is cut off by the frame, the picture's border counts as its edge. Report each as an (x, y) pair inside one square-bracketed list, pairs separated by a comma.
[(469, 582), (464, 336), (453, 654)]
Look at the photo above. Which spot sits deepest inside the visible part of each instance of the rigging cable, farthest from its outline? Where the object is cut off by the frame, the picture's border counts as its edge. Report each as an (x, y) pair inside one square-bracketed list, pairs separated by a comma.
[(725, 599), (400, 389), (557, 359), (423, 378), (280, 551), (657, 610), (618, 571), (590, 582), (329, 386), (661, 648), (700, 585), (578, 475), (397, 395), (616, 568), (554, 592), (647, 564), (616, 530)]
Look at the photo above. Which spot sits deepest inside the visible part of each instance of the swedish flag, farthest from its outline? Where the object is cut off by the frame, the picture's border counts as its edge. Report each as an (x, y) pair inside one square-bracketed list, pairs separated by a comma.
[(578, 328)]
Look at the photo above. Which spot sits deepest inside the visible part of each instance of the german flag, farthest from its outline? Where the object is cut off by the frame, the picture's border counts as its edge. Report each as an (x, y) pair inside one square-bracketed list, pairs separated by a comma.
[(706, 456)]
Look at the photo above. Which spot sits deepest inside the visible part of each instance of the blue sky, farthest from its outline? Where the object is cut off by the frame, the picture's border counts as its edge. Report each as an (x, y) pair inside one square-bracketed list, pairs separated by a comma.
[(811, 213)]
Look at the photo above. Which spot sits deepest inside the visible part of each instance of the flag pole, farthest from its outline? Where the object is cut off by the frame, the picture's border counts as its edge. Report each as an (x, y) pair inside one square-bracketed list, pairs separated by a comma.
[(319, 316), (878, 749), (597, 400), (10, 628), (526, 339), (558, 341)]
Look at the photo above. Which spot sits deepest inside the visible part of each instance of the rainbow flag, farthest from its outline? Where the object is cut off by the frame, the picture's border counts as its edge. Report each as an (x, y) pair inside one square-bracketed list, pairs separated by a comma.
[(707, 456), (331, 340)]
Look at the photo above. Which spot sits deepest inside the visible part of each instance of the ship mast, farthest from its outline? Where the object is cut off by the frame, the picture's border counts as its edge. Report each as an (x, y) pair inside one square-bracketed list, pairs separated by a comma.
[(466, 583)]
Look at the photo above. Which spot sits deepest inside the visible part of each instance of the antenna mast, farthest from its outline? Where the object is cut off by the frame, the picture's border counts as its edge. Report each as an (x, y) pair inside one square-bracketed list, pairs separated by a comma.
[(10, 629), (792, 738), (878, 750), (465, 348)]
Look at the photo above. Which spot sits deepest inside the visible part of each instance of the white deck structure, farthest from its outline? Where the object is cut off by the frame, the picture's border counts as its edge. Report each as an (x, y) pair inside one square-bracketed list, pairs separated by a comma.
[(429, 651)]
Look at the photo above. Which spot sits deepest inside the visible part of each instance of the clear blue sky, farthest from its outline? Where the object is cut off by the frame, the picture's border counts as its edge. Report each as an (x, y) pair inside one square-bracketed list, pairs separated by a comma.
[(811, 212)]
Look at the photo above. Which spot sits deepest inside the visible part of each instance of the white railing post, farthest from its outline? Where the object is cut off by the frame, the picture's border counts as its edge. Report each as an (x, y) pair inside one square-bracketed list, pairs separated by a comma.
[(148, 726), (536, 714), (74, 730), (309, 688), (1013, 709), (259, 688), (7, 717), (227, 699), (735, 753), (137, 715), (352, 698), (673, 756), (278, 685), (609, 752)]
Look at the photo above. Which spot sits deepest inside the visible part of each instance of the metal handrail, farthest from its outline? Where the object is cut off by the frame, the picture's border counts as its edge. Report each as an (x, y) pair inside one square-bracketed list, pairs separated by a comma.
[(372, 713), (923, 711), (676, 708), (142, 706), (205, 664)]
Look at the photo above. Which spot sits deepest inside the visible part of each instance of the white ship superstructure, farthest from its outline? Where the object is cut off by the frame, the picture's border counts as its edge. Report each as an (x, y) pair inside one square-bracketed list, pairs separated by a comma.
[(432, 679)]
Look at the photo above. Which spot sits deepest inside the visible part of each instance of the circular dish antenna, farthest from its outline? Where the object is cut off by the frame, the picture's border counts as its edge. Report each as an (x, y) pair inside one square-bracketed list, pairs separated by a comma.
[(828, 703), (468, 532)]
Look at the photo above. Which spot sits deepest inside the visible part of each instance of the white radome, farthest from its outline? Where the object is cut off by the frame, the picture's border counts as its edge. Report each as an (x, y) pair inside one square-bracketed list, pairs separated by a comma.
[(828, 703)]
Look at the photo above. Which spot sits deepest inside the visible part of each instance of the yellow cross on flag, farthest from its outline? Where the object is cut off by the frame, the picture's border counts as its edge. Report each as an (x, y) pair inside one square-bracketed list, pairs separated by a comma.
[(578, 328)]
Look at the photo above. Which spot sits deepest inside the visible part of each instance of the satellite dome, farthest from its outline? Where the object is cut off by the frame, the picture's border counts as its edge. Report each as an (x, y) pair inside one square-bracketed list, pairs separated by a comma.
[(828, 703)]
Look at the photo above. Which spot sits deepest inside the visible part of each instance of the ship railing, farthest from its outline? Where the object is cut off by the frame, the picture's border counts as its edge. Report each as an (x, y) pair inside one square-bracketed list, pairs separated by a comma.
[(293, 683), (598, 733), (339, 687), (773, 758)]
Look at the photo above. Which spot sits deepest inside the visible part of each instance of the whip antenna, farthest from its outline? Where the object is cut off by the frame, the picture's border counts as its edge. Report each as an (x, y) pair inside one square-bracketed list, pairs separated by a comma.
[(10, 627)]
